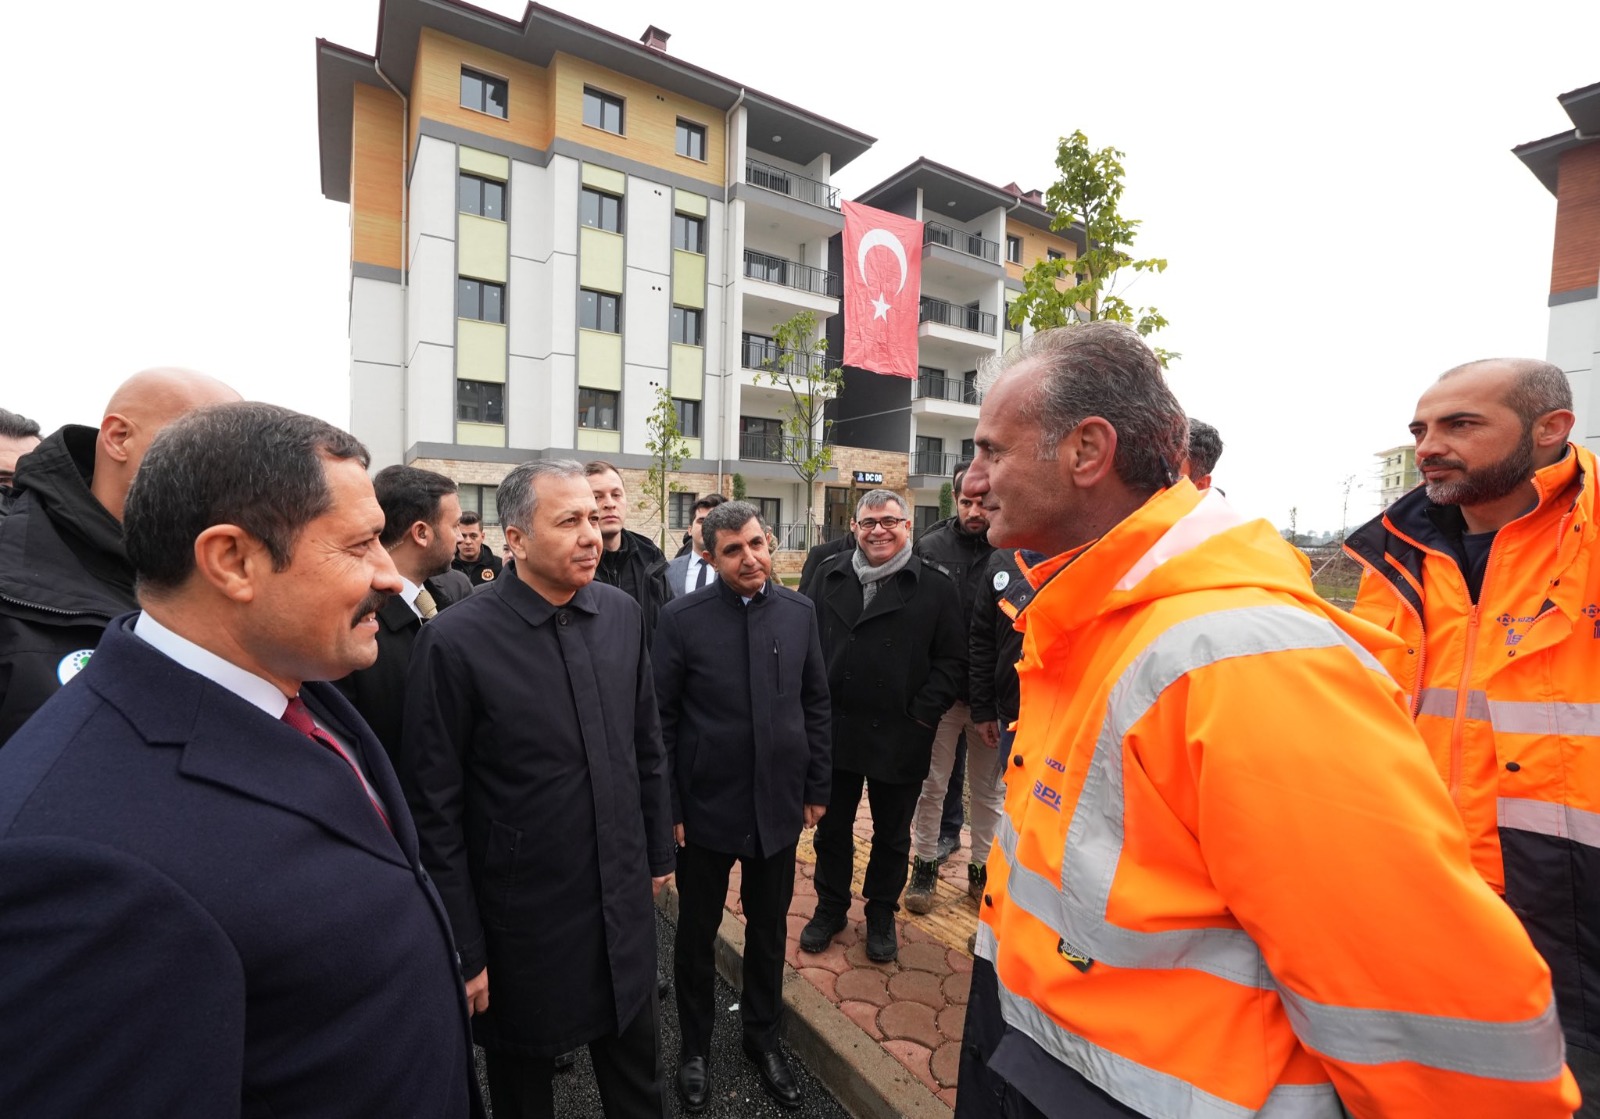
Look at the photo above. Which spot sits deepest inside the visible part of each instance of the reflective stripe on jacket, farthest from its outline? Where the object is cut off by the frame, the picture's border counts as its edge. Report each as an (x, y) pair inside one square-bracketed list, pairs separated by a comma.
[(1227, 881), (1506, 694)]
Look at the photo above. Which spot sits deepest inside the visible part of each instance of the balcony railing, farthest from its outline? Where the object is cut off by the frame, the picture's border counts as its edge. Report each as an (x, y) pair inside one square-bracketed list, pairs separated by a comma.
[(795, 185), (791, 274), (773, 358), (938, 463), (762, 446), (961, 241), (962, 318), (947, 388)]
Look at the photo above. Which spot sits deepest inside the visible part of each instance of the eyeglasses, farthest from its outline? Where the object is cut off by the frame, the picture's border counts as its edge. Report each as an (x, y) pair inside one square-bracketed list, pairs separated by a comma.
[(890, 523)]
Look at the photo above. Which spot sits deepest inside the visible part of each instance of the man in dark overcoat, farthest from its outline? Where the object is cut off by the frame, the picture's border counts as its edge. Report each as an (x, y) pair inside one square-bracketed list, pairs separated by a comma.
[(744, 715), (211, 902), (895, 641), (539, 785)]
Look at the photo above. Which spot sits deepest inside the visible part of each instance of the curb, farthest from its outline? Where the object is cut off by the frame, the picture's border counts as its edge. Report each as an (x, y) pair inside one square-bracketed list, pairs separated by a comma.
[(865, 1080)]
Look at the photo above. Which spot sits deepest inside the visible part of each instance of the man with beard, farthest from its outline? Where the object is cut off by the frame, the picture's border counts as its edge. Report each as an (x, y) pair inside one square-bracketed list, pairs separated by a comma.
[(1488, 572)]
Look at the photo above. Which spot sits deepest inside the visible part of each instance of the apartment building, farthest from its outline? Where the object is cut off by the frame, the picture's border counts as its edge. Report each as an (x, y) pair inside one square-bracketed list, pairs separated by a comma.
[(1568, 164), (1397, 473)]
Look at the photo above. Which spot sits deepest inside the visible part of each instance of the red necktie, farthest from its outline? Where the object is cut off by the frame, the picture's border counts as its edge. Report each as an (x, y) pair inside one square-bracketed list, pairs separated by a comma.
[(298, 716)]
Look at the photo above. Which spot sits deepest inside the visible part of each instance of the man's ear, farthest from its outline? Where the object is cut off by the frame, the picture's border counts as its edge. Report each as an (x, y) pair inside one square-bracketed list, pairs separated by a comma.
[(1089, 452), (517, 542), (232, 560), (1553, 428), (115, 431), (420, 533)]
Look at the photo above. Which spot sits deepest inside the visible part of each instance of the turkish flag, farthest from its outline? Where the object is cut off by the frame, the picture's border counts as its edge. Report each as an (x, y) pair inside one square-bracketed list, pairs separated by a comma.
[(882, 286)]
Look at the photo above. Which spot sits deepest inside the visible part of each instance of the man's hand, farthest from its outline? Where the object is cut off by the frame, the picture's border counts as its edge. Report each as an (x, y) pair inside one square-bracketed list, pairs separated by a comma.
[(478, 992), (677, 834), (657, 883), (989, 732), (814, 814)]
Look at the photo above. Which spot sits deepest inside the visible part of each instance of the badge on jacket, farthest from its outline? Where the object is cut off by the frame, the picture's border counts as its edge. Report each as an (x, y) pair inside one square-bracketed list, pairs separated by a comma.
[(72, 664), (1077, 957)]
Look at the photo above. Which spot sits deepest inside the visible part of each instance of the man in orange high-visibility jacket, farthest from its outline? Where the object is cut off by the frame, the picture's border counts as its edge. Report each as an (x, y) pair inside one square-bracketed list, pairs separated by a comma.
[(1490, 575), (1227, 881)]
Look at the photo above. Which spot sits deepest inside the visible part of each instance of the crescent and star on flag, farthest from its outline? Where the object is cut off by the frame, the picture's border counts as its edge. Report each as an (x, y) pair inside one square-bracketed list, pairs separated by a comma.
[(881, 238)]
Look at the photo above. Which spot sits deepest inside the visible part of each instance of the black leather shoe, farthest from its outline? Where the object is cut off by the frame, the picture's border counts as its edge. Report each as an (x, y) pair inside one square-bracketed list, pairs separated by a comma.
[(882, 944), (776, 1076), (821, 929), (694, 1081)]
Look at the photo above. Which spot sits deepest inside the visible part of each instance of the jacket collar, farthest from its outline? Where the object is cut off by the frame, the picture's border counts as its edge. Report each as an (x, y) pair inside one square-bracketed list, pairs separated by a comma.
[(533, 608)]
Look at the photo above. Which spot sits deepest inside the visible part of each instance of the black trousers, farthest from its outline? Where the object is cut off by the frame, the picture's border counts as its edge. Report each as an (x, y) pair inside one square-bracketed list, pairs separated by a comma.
[(765, 887), (955, 811), (627, 1069), (893, 805)]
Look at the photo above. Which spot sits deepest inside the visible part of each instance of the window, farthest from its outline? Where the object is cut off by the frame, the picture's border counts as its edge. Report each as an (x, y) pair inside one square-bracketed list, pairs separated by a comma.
[(680, 510), (760, 439), (483, 93), (599, 311), (771, 511), (600, 211), (691, 140), (480, 402), (923, 517), (482, 500), (685, 328), (601, 110), (1055, 254), (1014, 249), (483, 197), (597, 409), (688, 234), (759, 350), (969, 450), (481, 300), (688, 417)]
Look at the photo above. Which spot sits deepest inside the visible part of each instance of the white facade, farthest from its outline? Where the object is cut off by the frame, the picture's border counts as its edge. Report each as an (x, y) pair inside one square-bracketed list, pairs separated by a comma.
[(1574, 345)]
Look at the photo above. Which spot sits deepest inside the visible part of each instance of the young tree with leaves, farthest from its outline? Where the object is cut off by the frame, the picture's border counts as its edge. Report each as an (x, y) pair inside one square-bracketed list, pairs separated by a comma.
[(798, 362), (668, 448), (1065, 292)]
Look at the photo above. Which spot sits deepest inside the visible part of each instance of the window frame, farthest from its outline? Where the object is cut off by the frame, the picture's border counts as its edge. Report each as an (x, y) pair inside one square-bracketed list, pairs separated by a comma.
[(685, 222), (1013, 242), (605, 100), (1054, 254), (679, 404), (680, 510), (482, 406), (690, 129), (602, 197), (680, 316), (599, 310), (616, 409), (486, 81), (483, 287), (473, 496), (482, 184)]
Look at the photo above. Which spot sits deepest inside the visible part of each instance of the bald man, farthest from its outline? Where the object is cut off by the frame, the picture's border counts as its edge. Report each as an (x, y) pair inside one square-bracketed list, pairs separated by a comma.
[(63, 573)]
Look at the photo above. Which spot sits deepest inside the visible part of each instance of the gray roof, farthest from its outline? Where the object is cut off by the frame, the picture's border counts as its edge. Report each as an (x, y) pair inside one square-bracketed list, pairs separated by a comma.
[(1543, 157)]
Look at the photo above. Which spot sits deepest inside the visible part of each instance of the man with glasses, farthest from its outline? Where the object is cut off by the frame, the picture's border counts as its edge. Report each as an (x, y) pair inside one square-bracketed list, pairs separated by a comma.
[(894, 640)]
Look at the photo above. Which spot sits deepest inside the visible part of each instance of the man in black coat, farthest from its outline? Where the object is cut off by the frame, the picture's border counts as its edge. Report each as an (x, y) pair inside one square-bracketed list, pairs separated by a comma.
[(539, 787), (211, 896), (743, 694), (895, 643), (63, 573), (475, 559), (18, 436), (420, 516), (820, 554), (628, 560)]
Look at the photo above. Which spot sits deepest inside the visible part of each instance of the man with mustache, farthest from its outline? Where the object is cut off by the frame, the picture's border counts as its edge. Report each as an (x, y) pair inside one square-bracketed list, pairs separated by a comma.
[(212, 897), (1488, 572), (532, 759)]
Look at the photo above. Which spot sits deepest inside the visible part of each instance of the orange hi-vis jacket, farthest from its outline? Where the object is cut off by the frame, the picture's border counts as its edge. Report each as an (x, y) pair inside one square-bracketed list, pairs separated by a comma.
[(1227, 882), (1506, 694)]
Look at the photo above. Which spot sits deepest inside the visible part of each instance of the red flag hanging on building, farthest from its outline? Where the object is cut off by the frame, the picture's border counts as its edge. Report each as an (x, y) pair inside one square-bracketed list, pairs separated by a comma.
[(882, 286)]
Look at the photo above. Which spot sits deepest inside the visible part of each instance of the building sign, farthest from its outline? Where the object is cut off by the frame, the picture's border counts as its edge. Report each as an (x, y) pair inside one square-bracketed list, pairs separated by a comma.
[(868, 478)]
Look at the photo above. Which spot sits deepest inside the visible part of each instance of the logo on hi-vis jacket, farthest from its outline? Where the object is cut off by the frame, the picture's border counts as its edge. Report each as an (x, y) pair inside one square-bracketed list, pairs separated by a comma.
[(1077, 957), (1592, 612), (72, 664)]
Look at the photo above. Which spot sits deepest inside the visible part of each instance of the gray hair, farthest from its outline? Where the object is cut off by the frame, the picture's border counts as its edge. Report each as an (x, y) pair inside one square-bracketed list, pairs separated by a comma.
[(1205, 448), (727, 516), (517, 498), (1539, 387), (15, 426), (873, 499), (1102, 369)]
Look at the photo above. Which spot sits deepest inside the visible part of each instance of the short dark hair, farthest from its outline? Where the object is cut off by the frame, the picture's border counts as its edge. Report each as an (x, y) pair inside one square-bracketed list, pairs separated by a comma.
[(468, 517), (15, 426), (600, 466), (958, 475), (728, 516), (257, 466), (1539, 387), (1205, 448), (709, 501), (408, 495)]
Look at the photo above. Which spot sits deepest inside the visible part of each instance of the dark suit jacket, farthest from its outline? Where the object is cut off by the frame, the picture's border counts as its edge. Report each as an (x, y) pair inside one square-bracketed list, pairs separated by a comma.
[(743, 695), (201, 914), (379, 692), (894, 667)]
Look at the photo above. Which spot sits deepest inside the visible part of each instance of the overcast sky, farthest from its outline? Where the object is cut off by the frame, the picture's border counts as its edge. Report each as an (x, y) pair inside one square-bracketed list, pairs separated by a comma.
[(1331, 184)]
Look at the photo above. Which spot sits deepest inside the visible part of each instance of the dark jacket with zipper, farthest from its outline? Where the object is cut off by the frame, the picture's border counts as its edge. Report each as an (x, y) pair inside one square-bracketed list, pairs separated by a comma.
[(962, 556), (63, 574), (639, 568), (994, 645)]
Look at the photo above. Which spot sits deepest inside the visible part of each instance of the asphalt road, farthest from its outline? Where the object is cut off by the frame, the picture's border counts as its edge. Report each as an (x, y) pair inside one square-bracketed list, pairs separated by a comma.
[(736, 1091)]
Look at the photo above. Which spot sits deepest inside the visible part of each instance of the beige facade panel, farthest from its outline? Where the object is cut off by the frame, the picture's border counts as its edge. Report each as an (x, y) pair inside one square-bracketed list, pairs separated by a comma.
[(604, 178), (601, 442), (600, 260), (481, 435), (694, 448), (600, 360), (688, 368), (688, 279), (481, 248), (650, 118), (487, 164), (376, 162), (695, 205), (436, 91), (480, 351)]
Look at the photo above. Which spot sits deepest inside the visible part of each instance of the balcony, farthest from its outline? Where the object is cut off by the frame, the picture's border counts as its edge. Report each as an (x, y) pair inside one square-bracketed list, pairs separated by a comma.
[(961, 318), (791, 274), (781, 180), (769, 357), (766, 446), (939, 464), (961, 241), (948, 389)]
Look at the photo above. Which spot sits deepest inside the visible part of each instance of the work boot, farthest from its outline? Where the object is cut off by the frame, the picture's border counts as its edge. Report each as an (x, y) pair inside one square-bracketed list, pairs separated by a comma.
[(948, 845), (977, 879), (821, 929), (924, 877), (882, 945)]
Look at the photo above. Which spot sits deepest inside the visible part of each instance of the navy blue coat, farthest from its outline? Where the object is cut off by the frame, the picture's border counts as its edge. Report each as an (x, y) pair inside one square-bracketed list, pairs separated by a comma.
[(201, 914)]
